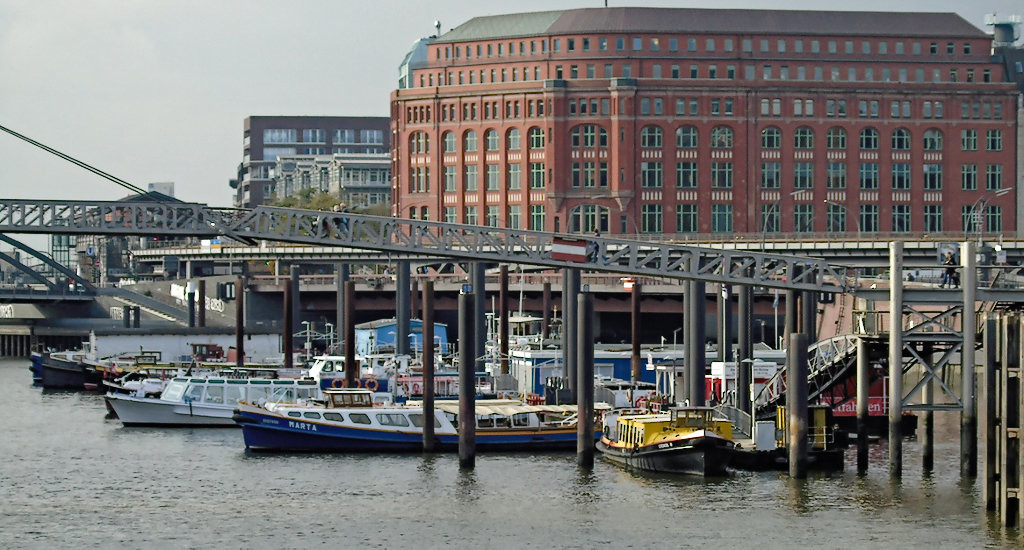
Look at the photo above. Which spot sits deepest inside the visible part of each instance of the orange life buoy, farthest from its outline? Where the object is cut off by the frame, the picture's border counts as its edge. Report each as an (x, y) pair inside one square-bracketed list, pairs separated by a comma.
[(338, 383), (371, 385), (358, 383)]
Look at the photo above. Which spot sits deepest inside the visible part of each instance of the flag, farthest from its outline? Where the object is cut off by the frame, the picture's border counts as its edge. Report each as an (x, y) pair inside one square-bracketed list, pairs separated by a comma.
[(570, 250)]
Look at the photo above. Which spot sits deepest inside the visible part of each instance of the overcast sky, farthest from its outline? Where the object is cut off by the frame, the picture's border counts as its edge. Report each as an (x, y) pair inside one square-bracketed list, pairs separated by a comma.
[(157, 90)]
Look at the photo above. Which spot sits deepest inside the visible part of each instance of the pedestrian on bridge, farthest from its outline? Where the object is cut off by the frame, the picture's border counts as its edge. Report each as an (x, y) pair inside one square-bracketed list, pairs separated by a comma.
[(949, 274)]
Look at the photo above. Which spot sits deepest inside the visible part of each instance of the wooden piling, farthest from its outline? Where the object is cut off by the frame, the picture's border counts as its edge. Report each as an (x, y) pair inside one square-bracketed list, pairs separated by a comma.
[(969, 414), (402, 310), (288, 328), (863, 389), (585, 370), (636, 368), (202, 303), (896, 359), (467, 380), (503, 318), (429, 441), (351, 367), (988, 414), (545, 304), (796, 404), (240, 322), (695, 360)]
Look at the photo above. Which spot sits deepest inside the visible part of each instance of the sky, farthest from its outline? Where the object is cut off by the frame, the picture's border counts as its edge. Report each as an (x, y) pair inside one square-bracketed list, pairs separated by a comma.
[(155, 91)]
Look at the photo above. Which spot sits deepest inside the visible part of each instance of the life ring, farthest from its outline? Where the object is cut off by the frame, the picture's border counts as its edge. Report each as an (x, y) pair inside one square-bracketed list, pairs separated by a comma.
[(371, 385), (357, 383), (338, 383)]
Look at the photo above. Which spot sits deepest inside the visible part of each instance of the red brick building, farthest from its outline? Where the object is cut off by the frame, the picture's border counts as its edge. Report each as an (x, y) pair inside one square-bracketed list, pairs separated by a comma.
[(663, 120)]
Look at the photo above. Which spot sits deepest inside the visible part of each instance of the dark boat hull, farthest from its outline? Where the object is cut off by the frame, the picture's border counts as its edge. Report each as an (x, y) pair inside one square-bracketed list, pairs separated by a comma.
[(58, 374), (704, 456)]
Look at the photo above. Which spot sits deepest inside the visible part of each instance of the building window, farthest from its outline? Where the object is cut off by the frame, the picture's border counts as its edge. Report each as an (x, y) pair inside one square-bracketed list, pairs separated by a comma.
[(514, 177), (471, 215), (721, 218), (449, 215), (492, 218), (803, 218), (449, 142), (835, 139), (901, 140), (491, 139), (932, 177), (835, 218), (537, 217), (651, 218), (493, 176), (868, 218), (804, 138), (450, 179), (994, 140), (536, 175), (271, 135), (469, 141), (686, 137), (771, 175), (900, 176), (771, 138), (721, 175), (803, 175), (869, 175), (650, 137), (901, 218), (588, 218), (512, 139), (969, 177), (933, 218), (686, 218), (993, 218), (993, 177), (721, 137), (869, 139), (650, 175), (770, 218), (836, 172), (686, 175), (470, 183), (536, 137), (515, 215), (932, 140), (969, 140)]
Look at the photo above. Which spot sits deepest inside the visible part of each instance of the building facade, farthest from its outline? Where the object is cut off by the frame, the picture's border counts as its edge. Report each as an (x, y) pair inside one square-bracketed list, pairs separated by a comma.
[(357, 180), (265, 138), (684, 121)]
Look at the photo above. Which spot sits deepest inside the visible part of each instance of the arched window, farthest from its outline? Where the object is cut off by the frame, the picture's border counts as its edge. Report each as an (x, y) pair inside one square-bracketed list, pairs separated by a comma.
[(932, 140), (901, 139), (869, 139), (450, 143), (650, 137), (835, 138), (536, 137), (419, 143), (803, 138), (512, 139), (469, 141), (588, 218), (491, 140), (721, 137), (686, 137), (771, 138)]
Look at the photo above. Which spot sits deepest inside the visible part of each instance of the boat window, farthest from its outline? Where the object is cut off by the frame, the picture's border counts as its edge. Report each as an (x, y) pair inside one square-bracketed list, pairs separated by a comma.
[(286, 395), (328, 366), (194, 393), (295, 414), (521, 419), (234, 394), (214, 394), (306, 393), (173, 391), (417, 420), (485, 421), (334, 416), (311, 414), (392, 419), (359, 418), (258, 394)]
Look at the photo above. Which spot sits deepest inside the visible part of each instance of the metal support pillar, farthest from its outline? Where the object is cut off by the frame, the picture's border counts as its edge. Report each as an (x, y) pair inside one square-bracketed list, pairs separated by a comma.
[(351, 367), (402, 292), (969, 414), (585, 371), (296, 308), (339, 316), (288, 326), (988, 414), (678, 397), (545, 304), (896, 359), (796, 404), (240, 322), (414, 301), (467, 379), (190, 300), (809, 315), (136, 316), (636, 368), (479, 314), (724, 324), (745, 349), (695, 369), (126, 316), (503, 318), (429, 441), (928, 420), (202, 302), (570, 289), (863, 391)]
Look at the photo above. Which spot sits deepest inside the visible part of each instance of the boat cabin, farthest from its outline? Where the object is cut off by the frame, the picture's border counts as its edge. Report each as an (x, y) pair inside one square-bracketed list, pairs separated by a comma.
[(348, 398), (647, 429), (229, 391)]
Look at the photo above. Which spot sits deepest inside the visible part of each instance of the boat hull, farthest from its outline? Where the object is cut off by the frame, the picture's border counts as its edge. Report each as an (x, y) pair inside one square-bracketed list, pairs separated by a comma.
[(58, 374), (702, 456), (137, 411)]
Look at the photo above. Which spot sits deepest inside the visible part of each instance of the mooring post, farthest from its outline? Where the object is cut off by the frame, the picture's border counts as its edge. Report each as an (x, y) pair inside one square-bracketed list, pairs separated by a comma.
[(792, 311), (722, 326), (636, 369), (429, 443), (988, 416), (240, 322), (570, 324), (969, 414), (480, 315), (503, 318), (295, 306), (339, 316), (585, 375), (414, 299), (202, 302), (745, 349), (287, 328), (928, 420), (896, 359), (402, 292), (467, 379), (190, 300), (863, 389), (695, 361), (796, 404), (545, 304), (678, 397), (351, 366)]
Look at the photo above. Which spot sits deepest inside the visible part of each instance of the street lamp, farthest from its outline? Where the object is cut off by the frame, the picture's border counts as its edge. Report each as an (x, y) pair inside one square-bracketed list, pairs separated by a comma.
[(776, 208), (975, 214), (856, 224)]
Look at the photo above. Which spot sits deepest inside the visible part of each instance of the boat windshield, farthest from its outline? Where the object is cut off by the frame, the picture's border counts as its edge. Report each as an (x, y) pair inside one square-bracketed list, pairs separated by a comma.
[(173, 391)]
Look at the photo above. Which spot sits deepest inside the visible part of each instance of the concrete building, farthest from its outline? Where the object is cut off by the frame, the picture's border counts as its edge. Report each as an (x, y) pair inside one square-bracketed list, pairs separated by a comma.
[(357, 180), (687, 121), (265, 138)]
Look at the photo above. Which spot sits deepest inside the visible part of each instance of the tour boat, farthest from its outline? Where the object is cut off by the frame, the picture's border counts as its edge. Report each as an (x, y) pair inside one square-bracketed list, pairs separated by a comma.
[(683, 440), (205, 401), (349, 420), (63, 370)]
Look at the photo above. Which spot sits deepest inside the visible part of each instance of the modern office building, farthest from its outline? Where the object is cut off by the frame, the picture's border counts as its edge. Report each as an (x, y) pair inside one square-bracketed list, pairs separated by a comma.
[(356, 180), (265, 138), (684, 121)]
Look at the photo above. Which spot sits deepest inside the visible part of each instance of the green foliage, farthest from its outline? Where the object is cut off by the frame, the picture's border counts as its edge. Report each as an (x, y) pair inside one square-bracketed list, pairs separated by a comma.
[(308, 199)]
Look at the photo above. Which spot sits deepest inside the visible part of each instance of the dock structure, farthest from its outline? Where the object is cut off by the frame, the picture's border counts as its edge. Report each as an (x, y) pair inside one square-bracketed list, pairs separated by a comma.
[(1003, 418)]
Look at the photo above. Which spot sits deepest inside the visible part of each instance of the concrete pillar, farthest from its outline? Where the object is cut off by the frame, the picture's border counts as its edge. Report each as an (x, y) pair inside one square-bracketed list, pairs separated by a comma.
[(570, 290), (545, 304), (190, 300), (988, 415), (896, 359), (928, 418), (126, 316), (402, 307), (429, 441), (202, 302), (695, 367), (339, 314), (636, 367), (351, 367), (745, 357), (969, 414), (467, 380), (503, 318), (136, 316), (585, 370), (480, 314), (288, 325), (863, 390), (796, 404), (240, 321)]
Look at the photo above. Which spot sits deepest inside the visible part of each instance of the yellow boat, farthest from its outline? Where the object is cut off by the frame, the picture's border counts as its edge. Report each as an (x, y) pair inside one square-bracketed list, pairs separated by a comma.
[(683, 440)]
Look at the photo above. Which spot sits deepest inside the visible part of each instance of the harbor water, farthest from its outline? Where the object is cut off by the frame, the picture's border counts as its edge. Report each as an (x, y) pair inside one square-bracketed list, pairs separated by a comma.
[(71, 476)]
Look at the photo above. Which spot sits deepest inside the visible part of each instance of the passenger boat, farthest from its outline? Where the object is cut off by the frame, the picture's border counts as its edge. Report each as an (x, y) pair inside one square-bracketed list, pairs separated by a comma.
[(347, 420), (64, 370), (205, 401), (683, 440)]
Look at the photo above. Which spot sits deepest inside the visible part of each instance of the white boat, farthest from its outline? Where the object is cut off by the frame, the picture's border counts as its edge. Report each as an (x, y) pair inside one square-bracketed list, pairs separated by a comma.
[(206, 401)]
